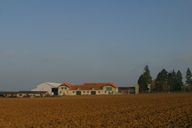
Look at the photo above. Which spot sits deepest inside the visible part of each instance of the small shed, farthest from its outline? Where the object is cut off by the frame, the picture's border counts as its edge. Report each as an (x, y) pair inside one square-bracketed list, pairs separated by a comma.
[(126, 90)]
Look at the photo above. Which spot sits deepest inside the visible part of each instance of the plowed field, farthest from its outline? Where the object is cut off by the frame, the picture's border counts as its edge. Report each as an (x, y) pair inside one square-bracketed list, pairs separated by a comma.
[(147, 110)]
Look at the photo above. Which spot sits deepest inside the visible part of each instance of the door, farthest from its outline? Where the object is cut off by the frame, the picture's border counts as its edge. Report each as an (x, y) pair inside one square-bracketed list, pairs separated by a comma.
[(54, 91), (78, 92), (93, 92)]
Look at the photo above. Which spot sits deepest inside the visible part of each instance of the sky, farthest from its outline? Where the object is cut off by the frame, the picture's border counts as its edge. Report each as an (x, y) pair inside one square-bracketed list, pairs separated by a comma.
[(91, 40)]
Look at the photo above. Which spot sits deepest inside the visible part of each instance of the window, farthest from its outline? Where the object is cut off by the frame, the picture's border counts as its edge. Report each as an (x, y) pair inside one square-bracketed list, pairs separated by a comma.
[(98, 91), (87, 91), (83, 91), (108, 88), (73, 91)]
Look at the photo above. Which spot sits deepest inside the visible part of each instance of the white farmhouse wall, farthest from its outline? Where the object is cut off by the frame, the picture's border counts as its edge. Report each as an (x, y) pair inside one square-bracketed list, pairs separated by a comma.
[(65, 90)]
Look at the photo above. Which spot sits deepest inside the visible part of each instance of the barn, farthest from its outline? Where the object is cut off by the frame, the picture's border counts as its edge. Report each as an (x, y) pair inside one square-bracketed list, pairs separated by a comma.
[(47, 86)]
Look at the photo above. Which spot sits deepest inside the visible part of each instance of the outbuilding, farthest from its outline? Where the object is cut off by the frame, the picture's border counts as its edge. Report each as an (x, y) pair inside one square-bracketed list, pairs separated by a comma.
[(47, 86), (126, 90)]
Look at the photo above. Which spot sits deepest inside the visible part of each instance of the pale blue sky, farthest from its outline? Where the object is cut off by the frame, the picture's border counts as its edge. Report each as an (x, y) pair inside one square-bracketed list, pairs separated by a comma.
[(91, 40)]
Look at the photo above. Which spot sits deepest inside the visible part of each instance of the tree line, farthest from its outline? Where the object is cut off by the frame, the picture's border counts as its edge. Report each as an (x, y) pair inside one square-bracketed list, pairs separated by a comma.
[(165, 81)]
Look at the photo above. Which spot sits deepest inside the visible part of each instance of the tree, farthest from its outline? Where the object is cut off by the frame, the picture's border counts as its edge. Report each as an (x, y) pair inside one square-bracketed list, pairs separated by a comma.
[(166, 82), (142, 84), (172, 81), (179, 81), (147, 75), (161, 82), (188, 77), (145, 80)]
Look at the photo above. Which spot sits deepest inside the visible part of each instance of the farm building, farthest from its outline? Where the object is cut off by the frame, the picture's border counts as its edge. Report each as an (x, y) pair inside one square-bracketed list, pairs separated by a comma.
[(24, 94), (87, 89), (126, 90), (32, 94), (8, 94), (48, 87)]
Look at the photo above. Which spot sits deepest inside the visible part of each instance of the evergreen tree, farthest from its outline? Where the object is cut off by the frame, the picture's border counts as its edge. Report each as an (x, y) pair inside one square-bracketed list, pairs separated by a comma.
[(166, 82), (147, 75), (172, 81), (179, 81), (145, 80), (142, 84), (188, 77), (161, 81)]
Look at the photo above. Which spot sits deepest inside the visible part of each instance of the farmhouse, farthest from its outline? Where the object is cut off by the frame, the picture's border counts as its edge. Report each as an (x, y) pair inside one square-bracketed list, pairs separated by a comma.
[(87, 89), (48, 87)]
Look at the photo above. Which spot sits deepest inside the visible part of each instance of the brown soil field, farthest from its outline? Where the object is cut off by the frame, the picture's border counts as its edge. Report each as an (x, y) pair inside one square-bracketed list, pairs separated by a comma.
[(134, 111)]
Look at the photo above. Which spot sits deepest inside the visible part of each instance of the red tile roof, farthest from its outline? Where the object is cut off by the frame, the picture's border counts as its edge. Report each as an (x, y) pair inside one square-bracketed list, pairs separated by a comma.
[(67, 84), (88, 86)]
